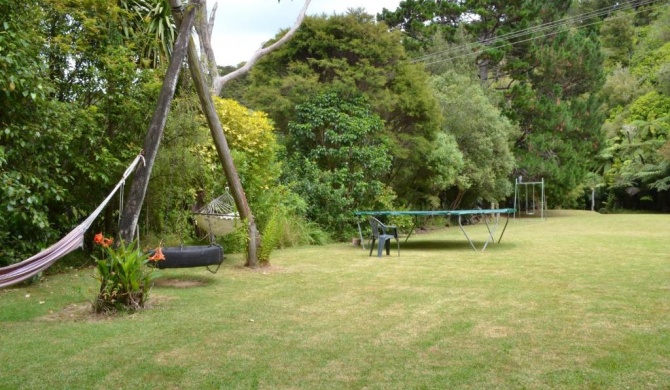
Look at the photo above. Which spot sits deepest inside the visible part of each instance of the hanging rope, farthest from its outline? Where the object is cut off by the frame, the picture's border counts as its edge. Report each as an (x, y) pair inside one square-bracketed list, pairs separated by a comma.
[(26, 269)]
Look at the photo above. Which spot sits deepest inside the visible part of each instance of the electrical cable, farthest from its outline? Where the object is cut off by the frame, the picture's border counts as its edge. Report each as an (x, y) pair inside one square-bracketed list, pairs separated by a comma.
[(554, 26)]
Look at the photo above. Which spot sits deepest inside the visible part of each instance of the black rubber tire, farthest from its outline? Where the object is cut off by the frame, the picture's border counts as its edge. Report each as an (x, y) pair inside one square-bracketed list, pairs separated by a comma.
[(191, 256)]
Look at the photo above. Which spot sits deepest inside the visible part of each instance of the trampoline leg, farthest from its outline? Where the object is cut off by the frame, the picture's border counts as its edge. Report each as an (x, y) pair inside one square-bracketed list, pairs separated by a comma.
[(466, 234)]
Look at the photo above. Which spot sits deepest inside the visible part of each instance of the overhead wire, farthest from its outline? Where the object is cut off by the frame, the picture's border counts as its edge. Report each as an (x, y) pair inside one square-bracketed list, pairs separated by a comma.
[(541, 27), (460, 51)]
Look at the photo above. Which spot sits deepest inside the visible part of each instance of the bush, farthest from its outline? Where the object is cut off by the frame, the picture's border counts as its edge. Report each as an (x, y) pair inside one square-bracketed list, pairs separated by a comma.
[(124, 276)]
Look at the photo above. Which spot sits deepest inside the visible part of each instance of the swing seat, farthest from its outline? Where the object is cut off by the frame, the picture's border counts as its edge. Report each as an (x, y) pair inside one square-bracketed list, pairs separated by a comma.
[(217, 224), (218, 217), (191, 256)]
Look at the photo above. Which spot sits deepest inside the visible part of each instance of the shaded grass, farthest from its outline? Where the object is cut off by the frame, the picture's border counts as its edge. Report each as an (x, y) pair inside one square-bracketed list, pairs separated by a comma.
[(577, 301)]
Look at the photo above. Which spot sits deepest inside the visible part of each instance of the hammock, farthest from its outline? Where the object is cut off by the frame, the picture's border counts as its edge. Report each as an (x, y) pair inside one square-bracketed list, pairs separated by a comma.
[(218, 217), (26, 269)]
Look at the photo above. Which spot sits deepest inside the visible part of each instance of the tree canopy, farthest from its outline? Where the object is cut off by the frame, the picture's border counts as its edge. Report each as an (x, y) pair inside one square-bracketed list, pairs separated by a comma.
[(355, 55)]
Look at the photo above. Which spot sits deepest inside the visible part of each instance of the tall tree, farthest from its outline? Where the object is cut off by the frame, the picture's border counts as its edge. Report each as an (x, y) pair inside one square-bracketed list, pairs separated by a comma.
[(353, 53), (548, 73), (559, 113), (502, 29), (484, 137)]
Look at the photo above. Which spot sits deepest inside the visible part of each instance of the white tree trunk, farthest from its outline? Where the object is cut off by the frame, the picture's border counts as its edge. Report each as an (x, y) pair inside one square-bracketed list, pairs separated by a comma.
[(218, 82)]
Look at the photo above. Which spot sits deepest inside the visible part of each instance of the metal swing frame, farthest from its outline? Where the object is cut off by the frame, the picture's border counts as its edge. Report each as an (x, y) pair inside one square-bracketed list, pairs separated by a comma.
[(520, 185)]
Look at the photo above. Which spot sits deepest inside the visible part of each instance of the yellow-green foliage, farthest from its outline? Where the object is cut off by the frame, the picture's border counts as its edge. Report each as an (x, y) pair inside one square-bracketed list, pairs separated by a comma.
[(648, 65), (649, 107), (251, 138)]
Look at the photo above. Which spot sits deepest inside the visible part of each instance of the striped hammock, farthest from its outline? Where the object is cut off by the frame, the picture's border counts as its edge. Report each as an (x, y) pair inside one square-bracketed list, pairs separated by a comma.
[(26, 269)]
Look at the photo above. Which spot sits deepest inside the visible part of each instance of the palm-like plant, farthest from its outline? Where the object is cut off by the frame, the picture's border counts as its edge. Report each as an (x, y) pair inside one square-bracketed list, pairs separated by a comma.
[(150, 25)]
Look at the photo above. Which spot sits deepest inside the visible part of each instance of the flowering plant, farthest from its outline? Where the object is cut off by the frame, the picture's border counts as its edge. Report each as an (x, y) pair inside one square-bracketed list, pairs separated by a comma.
[(124, 278)]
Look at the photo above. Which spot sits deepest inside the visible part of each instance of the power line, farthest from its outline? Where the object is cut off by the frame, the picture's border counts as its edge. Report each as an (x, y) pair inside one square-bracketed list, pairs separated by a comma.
[(466, 50), (541, 27), (536, 29)]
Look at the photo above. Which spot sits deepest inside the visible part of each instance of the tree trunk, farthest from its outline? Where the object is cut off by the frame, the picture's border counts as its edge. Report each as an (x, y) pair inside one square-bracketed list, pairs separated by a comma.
[(203, 28), (457, 201), (138, 189), (223, 150), (219, 81)]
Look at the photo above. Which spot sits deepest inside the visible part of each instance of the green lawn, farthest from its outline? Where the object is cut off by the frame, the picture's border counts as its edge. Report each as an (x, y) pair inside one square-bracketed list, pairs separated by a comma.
[(581, 300)]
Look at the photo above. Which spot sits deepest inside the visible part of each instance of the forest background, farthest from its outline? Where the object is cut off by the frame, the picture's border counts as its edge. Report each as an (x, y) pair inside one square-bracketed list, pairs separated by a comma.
[(432, 105)]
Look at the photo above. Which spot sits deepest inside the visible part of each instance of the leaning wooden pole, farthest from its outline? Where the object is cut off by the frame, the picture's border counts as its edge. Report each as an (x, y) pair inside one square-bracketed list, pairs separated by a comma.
[(216, 129), (138, 189)]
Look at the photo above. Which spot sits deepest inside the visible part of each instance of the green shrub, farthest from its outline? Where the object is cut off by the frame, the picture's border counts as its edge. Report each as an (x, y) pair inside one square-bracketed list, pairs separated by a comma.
[(124, 276)]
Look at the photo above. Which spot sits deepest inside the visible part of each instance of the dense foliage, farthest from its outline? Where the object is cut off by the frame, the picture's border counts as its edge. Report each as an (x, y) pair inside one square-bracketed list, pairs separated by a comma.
[(74, 104), (635, 161), (336, 157), (355, 55), (483, 139)]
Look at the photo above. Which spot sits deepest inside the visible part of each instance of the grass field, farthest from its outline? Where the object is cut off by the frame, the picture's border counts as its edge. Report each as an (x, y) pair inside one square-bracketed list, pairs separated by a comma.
[(581, 300)]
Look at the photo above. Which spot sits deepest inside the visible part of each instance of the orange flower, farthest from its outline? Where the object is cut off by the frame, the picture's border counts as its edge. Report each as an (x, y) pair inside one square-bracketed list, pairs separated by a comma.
[(107, 242), (102, 240), (158, 255)]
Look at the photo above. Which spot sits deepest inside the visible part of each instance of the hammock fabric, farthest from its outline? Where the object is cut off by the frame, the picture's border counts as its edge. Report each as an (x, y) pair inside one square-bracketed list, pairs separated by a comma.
[(218, 217), (26, 269)]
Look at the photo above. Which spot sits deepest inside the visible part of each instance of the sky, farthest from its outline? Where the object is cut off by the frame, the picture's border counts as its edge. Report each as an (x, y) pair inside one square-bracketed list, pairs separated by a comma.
[(241, 26)]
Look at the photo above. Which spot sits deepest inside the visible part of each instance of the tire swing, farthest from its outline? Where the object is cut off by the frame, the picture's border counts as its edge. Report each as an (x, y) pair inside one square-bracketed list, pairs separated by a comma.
[(217, 218), (192, 256)]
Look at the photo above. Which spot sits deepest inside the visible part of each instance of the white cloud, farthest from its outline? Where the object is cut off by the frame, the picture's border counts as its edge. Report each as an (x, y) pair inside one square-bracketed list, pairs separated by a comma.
[(241, 27)]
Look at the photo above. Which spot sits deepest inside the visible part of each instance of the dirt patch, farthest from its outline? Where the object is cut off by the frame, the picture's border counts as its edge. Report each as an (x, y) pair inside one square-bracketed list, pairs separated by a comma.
[(263, 269), (83, 311), (179, 283), (75, 312)]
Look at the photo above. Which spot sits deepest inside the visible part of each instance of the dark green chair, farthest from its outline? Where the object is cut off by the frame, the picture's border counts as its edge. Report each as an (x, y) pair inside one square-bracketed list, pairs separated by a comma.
[(383, 234)]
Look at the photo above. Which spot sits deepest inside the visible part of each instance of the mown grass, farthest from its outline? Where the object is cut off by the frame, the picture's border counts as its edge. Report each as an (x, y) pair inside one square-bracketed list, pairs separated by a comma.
[(578, 301)]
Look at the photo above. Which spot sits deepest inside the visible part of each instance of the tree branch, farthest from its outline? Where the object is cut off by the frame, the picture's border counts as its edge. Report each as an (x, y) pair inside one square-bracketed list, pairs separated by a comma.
[(210, 24), (219, 82), (203, 28)]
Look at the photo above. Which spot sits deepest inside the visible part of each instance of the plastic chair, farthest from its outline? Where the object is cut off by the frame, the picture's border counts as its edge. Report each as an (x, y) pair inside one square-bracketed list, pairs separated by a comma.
[(383, 235)]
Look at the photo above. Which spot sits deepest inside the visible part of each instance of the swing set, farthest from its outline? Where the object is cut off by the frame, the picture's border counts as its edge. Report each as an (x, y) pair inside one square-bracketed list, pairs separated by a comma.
[(526, 200), (218, 218)]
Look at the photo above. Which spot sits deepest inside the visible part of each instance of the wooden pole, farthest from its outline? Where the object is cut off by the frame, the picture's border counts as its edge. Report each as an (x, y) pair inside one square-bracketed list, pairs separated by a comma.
[(216, 129), (138, 189)]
